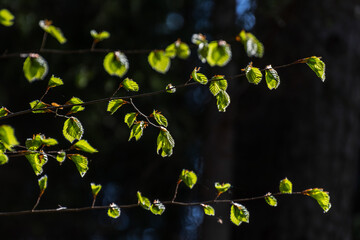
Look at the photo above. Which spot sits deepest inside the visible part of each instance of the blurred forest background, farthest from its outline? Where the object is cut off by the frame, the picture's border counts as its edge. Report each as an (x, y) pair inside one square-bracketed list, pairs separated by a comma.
[(305, 130)]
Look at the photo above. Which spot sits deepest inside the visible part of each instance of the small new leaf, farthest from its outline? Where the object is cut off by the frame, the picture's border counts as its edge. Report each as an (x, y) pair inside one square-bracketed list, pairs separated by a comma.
[(219, 53), (56, 32), (285, 186), (60, 157), (188, 177), (55, 82), (317, 66), (130, 85), (130, 118), (6, 18), (137, 130), (116, 64), (42, 183), (253, 74), (199, 77), (84, 146), (113, 211), (160, 119), (81, 163), (157, 208), (178, 49), (3, 158), (114, 105), (144, 202), (253, 47), (75, 109), (37, 161), (170, 88), (323, 198), (95, 189), (4, 111), (99, 36), (165, 142), (219, 83), (221, 188), (271, 200), (7, 137), (73, 129), (35, 67), (36, 104), (159, 61), (208, 210), (272, 78), (239, 214), (222, 100)]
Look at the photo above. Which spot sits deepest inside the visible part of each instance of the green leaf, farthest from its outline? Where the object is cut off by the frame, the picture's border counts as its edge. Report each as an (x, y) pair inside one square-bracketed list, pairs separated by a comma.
[(130, 118), (272, 78), (253, 47), (55, 82), (43, 183), (7, 137), (113, 211), (217, 84), (165, 142), (34, 143), (36, 104), (271, 200), (317, 66), (84, 146), (178, 49), (49, 141), (137, 130), (203, 46), (170, 88), (160, 119), (285, 186), (199, 77), (198, 38), (35, 67), (144, 202), (73, 129), (95, 189), (56, 32), (323, 198), (115, 104), (222, 100), (75, 109), (99, 36), (37, 161), (157, 208), (159, 61), (6, 18), (208, 210), (219, 53), (239, 214), (4, 112), (3, 158), (116, 64), (81, 163), (188, 177), (60, 157), (253, 74), (130, 85), (221, 188)]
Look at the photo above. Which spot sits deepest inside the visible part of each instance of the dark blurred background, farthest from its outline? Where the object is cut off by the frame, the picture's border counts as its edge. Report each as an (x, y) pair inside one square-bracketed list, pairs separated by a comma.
[(305, 130)]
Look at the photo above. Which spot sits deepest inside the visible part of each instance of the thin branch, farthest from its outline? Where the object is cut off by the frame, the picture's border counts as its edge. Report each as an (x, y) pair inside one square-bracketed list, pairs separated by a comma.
[(43, 41), (176, 190), (142, 114)]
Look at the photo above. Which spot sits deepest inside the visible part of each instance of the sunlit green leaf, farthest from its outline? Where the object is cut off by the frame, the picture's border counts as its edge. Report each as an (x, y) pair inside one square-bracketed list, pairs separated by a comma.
[(37, 161), (35, 67), (49, 141), (56, 32), (239, 214), (199, 77), (115, 104), (43, 183), (157, 208), (208, 210), (113, 211), (130, 85), (4, 112), (116, 64), (170, 88), (73, 129), (81, 163), (60, 157), (178, 49), (317, 66), (188, 177), (36, 104), (7, 137), (323, 198), (253, 74), (219, 53), (95, 189), (55, 82), (272, 78), (217, 84), (33, 143), (75, 109), (271, 200), (159, 61), (222, 100), (144, 202), (84, 146), (253, 47), (165, 142), (137, 130), (285, 186), (3, 158), (99, 36), (203, 46), (6, 18), (160, 119), (130, 118), (221, 188)]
